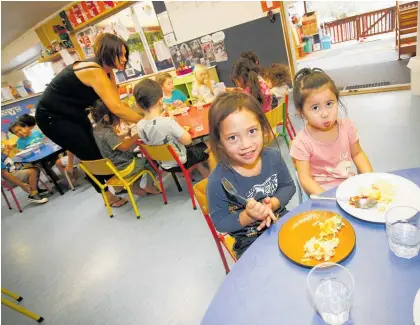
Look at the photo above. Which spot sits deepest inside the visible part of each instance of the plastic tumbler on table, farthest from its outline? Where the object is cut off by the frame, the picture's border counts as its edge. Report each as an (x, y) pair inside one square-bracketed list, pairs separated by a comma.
[(403, 231), (198, 123), (331, 286)]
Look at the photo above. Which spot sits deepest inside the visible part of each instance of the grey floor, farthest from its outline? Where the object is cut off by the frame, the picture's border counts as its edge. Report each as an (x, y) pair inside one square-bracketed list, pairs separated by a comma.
[(74, 265), (354, 63)]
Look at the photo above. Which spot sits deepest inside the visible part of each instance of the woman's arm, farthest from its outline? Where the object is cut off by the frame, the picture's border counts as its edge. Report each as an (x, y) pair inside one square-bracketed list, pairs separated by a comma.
[(99, 81), (305, 178), (360, 159)]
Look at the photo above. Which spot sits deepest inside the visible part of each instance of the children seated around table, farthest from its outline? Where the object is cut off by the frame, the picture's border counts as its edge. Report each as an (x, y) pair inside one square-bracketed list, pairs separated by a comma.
[(26, 135), (325, 150), (26, 177), (277, 79), (245, 74), (171, 95), (239, 133), (202, 86), (120, 151), (155, 129), (252, 56)]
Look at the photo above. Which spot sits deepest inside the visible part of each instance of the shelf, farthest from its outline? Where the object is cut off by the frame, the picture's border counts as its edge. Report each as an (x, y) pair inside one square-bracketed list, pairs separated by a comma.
[(55, 56)]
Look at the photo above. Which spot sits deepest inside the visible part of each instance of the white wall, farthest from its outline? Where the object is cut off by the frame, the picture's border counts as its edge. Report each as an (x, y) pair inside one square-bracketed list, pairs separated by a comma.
[(192, 19), (13, 78)]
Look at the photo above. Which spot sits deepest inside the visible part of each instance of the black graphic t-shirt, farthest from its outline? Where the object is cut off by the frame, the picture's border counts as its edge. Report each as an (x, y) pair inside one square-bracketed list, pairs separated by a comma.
[(273, 181)]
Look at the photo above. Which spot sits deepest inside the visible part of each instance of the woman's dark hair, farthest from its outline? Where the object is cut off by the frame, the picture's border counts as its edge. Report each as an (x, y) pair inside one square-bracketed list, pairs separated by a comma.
[(99, 110), (226, 104), (252, 56), (162, 77), (307, 80), (15, 124), (278, 74), (108, 49), (27, 119), (147, 93), (246, 71)]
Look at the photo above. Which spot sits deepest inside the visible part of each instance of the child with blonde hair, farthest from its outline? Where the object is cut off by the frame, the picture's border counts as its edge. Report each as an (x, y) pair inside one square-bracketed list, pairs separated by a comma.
[(202, 85)]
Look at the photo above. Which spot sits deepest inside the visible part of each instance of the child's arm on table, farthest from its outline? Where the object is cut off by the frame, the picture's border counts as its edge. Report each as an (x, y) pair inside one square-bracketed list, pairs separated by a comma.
[(180, 133), (305, 178), (360, 159)]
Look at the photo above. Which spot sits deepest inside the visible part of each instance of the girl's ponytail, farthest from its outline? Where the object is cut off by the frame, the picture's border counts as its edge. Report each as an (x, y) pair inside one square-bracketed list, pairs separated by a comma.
[(254, 86), (248, 72)]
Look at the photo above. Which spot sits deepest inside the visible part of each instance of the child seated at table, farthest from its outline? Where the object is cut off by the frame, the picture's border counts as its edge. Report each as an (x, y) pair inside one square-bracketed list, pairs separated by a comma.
[(202, 86), (155, 129), (29, 121), (245, 74), (26, 177), (118, 150), (239, 134), (171, 96), (277, 79), (26, 135), (326, 148)]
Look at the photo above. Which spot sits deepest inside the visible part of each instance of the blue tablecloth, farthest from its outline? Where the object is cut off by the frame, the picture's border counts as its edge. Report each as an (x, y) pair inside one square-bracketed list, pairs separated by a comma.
[(44, 152), (263, 287)]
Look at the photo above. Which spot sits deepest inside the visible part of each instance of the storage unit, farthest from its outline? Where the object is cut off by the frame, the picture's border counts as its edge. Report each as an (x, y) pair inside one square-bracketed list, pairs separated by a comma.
[(326, 42), (310, 23)]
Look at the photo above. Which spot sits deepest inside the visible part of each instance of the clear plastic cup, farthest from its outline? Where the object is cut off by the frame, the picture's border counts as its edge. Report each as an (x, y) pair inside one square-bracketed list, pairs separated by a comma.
[(331, 286), (403, 231), (198, 123)]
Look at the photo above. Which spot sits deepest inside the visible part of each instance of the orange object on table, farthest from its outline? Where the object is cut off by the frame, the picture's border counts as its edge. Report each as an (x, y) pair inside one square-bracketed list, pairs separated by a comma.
[(188, 120)]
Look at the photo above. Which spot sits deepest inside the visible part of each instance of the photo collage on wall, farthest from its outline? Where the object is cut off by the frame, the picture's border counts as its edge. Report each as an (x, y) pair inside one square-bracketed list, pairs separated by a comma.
[(204, 50)]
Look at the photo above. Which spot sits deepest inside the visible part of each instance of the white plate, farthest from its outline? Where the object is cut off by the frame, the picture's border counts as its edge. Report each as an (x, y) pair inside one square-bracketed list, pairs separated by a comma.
[(416, 309), (406, 193), (180, 110)]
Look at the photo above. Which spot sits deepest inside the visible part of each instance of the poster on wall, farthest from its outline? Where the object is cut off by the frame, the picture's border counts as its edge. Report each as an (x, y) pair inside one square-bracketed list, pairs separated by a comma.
[(207, 47), (197, 54), (219, 46), (86, 39)]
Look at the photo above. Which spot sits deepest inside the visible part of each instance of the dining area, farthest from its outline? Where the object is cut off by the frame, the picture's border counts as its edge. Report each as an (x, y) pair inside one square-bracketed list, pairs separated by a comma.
[(273, 283)]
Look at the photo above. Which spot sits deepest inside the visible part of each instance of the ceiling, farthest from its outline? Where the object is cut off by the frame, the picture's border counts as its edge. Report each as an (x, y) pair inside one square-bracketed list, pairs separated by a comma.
[(17, 17)]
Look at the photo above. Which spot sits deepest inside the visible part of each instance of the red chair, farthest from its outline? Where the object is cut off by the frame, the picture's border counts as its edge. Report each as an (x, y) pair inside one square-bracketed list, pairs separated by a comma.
[(289, 126), (10, 188), (166, 152), (220, 238)]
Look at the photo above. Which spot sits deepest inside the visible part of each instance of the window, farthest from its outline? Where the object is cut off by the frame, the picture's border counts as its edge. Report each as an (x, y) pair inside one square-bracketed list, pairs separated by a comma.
[(39, 74)]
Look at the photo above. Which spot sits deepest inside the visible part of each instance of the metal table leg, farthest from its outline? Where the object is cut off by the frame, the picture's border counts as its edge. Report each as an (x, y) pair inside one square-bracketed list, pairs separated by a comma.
[(48, 170)]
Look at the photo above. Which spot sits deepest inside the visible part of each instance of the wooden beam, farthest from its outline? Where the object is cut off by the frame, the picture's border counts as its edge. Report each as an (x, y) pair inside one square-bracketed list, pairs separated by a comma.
[(375, 90), (288, 43)]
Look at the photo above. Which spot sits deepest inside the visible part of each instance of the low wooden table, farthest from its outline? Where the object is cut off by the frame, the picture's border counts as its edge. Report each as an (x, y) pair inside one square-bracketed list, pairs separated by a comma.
[(190, 120)]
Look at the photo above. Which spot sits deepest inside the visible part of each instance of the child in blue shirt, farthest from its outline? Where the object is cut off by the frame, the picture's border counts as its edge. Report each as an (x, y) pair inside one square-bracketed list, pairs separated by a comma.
[(26, 135), (170, 95), (239, 132)]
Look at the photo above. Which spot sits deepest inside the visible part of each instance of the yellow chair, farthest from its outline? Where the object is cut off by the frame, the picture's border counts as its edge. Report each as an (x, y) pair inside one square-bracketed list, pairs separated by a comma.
[(228, 241), (18, 308), (106, 167), (277, 116)]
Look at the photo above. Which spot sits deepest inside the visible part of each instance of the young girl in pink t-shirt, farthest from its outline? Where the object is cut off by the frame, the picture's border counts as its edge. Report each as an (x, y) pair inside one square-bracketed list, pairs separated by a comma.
[(325, 150)]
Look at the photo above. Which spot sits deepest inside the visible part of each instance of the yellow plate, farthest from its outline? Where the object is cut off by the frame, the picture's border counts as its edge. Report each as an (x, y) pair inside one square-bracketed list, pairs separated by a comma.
[(296, 231)]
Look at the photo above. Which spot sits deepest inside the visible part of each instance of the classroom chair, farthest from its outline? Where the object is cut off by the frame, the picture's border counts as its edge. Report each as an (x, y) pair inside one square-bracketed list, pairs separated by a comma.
[(166, 152), (18, 308), (10, 188), (289, 125), (275, 118), (106, 167), (227, 241)]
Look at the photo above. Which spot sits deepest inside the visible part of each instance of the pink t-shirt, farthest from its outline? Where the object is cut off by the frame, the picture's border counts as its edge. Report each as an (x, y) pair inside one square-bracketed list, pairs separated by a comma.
[(330, 163), (266, 94)]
